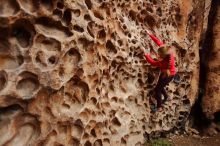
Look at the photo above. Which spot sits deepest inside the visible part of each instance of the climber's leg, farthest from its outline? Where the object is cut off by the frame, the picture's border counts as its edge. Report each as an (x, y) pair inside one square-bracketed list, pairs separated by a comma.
[(162, 82), (158, 95), (164, 94), (158, 91), (166, 81)]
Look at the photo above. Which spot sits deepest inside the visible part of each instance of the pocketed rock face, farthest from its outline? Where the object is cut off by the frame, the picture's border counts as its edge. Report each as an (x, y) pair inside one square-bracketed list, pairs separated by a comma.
[(211, 104), (72, 72)]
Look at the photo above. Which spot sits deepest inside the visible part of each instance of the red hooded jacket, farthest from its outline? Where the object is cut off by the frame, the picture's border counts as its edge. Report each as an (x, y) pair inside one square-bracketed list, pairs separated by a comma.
[(163, 64)]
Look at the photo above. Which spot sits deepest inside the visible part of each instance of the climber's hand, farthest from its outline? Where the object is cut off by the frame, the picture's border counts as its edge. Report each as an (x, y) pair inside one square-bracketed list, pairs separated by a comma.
[(148, 54), (148, 32), (143, 49), (168, 72)]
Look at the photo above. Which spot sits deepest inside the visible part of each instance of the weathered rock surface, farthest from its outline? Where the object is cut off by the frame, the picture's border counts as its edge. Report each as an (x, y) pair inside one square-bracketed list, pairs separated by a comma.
[(72, 72), (211, 102)]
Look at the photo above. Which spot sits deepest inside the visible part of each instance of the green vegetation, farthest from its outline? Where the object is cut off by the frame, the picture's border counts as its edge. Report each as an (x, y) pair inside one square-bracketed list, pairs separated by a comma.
[(159, 142)]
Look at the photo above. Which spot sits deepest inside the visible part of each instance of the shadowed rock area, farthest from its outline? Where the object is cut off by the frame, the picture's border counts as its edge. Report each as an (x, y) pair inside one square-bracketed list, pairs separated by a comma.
[(72, 72)]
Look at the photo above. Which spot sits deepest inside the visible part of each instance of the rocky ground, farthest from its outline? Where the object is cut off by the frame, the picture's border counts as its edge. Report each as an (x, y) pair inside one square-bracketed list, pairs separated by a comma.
[(195, 141)]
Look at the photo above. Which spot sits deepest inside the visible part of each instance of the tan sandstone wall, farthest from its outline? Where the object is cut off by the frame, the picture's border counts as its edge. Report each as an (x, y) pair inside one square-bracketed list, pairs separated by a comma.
[(72, 73)]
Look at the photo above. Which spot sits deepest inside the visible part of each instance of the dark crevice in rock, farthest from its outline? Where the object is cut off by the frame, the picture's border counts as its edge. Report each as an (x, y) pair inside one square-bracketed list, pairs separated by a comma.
[(217, 117), (10, 109), (197, 118)]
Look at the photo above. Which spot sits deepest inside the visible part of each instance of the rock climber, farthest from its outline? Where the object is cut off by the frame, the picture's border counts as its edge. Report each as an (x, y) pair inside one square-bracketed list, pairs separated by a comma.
[(166, 63)]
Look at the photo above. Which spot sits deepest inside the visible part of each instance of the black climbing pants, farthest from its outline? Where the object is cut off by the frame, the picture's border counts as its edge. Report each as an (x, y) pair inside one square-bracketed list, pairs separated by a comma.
[(161, 84)]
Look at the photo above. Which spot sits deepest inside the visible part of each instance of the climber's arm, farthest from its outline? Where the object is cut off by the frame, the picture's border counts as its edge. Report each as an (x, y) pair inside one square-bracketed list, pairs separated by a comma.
[(155, 39), (151, 61)]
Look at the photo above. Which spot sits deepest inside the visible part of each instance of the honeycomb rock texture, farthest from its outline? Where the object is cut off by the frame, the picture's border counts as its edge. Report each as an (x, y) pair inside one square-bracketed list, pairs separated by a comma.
[(211, 103), (72, 72)]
